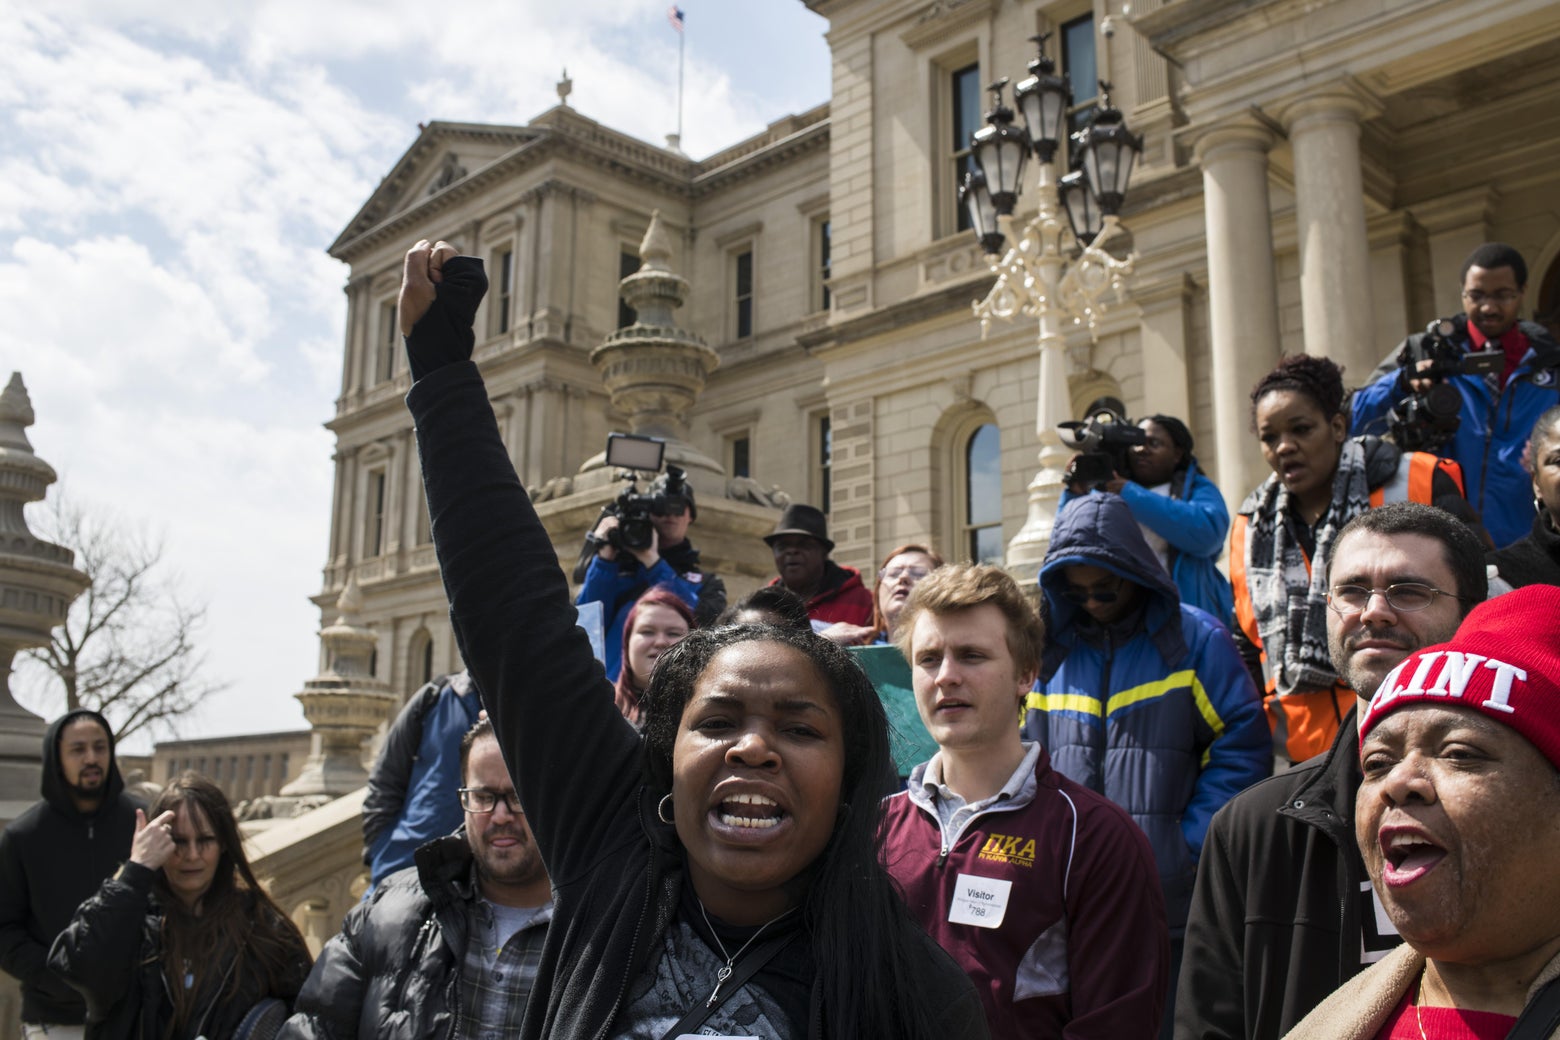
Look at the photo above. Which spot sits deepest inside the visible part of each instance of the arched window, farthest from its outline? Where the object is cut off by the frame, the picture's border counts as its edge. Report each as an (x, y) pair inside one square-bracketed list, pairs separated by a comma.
[(419, 658), (980, 511)]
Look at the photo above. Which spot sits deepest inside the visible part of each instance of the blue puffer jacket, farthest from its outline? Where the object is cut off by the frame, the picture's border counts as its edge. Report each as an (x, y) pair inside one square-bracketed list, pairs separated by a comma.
[(1195, 521), (1157, 713), (1492, 432)]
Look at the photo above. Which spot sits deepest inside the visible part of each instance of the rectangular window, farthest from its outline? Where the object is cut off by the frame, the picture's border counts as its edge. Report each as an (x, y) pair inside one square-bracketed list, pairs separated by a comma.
[(424, 524), (821, 268), (825, 462), (628, 263), (282, 774), (743, 298), (740, 461), (966, 120), (1081, 70), (265, 767), (504, 298), (376, 514), (389, 343)]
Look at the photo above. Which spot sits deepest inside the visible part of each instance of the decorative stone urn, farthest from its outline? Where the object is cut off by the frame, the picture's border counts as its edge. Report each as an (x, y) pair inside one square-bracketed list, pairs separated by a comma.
[(345, 705), (38, 582)]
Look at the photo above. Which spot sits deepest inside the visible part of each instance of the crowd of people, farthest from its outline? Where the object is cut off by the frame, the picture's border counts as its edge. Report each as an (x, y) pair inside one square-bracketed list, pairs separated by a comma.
[(1313, 799)]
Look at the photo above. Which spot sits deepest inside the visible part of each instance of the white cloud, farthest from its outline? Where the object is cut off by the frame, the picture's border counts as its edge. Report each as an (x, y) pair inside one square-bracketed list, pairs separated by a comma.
[(170, 175)]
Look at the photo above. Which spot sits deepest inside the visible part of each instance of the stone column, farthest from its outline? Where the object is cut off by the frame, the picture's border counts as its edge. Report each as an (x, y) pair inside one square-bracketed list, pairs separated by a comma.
[(1162, 334), (1335, 300), (1456, 225), (1242, 291)]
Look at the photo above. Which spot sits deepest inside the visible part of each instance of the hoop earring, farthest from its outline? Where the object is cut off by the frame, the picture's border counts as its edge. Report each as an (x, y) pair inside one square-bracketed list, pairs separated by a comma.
[(661, 811)]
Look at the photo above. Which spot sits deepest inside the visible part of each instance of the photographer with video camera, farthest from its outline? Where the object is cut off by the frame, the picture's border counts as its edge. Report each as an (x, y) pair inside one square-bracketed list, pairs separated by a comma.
[(1179, 510), (1470, 388), (641, 542)]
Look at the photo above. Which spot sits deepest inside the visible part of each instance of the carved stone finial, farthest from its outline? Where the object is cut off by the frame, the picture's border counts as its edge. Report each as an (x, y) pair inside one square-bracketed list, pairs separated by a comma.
[(565, 88), (350, 602), (656, 249), (16, 414)]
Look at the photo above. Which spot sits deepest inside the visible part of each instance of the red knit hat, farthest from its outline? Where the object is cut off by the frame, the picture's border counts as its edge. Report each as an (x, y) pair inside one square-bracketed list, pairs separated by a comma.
[(1504, 662)]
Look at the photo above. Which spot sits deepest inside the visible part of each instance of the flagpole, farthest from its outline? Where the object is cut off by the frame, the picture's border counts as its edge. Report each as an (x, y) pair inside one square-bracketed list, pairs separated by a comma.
[(682, 39)]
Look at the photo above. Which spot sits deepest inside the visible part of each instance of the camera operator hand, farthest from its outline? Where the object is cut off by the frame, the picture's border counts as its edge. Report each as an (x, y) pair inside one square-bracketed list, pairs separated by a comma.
[(1417, 385), (648, 557), (1078, 487), (601, 536)]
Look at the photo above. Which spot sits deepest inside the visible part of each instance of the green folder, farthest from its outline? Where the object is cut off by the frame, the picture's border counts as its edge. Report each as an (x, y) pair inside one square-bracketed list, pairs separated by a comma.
[(890, 674)]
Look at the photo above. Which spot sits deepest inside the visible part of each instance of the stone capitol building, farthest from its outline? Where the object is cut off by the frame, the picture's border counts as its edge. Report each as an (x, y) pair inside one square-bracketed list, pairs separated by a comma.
[(794, 312)]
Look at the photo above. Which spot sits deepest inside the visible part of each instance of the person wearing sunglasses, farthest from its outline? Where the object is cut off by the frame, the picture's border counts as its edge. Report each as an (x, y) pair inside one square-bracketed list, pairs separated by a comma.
[(1497, 412), (451, 946), (1140, 697)]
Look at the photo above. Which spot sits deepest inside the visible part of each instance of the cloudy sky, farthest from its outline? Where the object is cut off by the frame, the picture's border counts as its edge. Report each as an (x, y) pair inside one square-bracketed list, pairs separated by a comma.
[(170, 175)]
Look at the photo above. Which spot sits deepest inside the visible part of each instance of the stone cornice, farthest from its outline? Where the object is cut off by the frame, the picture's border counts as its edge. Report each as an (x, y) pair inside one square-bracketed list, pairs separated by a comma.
[(954, 297), (943, 17), (813, 138)]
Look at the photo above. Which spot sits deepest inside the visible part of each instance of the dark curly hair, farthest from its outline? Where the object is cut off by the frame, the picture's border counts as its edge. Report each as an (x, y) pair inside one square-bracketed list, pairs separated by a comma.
[(864, 942), (1318, 378)]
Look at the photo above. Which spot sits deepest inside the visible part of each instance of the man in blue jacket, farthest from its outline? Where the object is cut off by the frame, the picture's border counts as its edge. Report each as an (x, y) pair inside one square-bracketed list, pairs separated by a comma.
[(1498, 411), (1179, 510), (1141, 697)]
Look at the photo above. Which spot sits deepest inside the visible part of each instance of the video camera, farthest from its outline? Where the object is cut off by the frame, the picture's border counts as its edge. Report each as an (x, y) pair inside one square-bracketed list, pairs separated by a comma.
[(1425, 421), (1104, 439), (633, 508)]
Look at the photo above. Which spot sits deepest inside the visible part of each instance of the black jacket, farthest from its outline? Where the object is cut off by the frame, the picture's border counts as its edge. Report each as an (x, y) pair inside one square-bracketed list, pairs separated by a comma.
[(617, 872), (393, 973), (1275, 921), (51, 859), (112, 953), (1534, 560)]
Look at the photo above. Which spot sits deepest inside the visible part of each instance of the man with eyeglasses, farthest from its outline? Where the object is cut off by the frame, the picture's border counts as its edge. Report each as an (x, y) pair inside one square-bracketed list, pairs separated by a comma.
[(616, 578), (1141, 697), (451, 946), (1497, 411), (1283, 911)]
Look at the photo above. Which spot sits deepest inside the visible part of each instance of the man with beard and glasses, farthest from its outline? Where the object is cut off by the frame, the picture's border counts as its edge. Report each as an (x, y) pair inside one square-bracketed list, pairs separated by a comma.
[(450, 946), (54, 856), (1283, 911)]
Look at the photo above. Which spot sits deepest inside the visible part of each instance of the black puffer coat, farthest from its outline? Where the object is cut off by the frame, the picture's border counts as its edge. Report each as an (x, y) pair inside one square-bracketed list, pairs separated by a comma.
[(112, 955), (394, 971)]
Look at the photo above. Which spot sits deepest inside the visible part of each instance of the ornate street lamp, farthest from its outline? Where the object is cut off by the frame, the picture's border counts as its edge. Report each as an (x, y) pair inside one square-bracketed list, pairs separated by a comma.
[(1039, 276), (1000, 150), (977, 202), (1043, 99), (1109, 150), (1083, 211)]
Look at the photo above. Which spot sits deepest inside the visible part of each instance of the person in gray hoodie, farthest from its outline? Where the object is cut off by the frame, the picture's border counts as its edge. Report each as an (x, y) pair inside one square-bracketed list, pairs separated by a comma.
[(55, 855)]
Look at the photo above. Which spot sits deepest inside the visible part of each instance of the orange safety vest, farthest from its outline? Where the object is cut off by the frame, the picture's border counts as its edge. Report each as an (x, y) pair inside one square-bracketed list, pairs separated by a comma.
[(1305, 722)]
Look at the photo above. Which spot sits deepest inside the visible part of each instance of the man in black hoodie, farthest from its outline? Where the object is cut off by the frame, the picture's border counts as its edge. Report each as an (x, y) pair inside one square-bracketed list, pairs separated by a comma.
[(54, 856)]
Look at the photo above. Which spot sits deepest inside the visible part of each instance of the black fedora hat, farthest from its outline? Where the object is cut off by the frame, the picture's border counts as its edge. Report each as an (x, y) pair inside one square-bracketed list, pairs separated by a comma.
[(803, 520)]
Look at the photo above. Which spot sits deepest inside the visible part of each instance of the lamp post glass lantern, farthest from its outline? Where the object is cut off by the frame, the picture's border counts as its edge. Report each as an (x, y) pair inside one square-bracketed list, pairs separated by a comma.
[(1043, 100), (1000, 150), (1035, 276), (976, 201)]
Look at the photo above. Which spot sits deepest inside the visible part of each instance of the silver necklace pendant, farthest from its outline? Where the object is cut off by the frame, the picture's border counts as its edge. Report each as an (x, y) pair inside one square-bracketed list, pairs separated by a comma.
[(720, 979)]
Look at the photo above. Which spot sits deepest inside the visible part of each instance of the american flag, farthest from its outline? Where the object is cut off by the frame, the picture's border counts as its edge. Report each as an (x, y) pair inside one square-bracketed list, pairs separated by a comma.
[(675, 16)]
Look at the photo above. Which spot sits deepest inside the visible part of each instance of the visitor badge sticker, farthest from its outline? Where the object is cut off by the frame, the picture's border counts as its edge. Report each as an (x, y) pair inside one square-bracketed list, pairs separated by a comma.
[(979, 901)]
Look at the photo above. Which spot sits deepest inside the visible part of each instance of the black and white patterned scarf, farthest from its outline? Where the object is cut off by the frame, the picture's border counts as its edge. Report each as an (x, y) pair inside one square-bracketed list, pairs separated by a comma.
[(1288, 597)]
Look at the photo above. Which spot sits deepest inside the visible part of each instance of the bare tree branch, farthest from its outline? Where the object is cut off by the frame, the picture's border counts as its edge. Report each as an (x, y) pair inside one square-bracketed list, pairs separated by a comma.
[(129, 647)]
